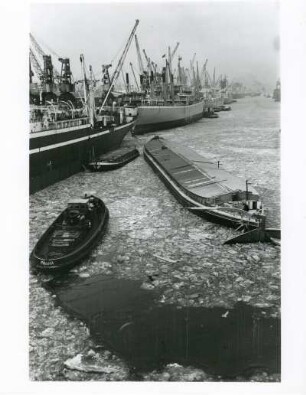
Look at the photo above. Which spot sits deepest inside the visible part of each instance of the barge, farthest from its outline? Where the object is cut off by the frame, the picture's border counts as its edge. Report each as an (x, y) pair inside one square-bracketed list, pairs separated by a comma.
[(203, 187), (114, 159)]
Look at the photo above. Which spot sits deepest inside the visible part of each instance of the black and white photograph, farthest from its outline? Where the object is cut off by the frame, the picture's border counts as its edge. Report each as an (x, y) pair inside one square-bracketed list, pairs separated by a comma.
[(154, 150)]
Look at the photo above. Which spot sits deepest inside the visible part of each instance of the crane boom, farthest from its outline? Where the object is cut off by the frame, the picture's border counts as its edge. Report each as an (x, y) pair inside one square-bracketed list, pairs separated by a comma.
[(140, 63), (35, 64), (134, 76), (193, 59), (175, 49), (42, 53), (120, 63), (148, 60), (37, 46)]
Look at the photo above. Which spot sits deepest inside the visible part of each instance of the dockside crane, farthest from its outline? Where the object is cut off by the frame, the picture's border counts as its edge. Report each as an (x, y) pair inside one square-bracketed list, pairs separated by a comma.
[(49, 74), (192, 69), (140, 63), (106, 76), (203, 76), (135, 79), (120, 64), (35, 64), (148, 61), (175, 49), (46, 58)]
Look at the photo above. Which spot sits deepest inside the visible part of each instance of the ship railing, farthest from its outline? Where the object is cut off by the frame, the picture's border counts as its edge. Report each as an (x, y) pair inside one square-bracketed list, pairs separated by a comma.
[(161, 103), (237, 212), (68, 123)]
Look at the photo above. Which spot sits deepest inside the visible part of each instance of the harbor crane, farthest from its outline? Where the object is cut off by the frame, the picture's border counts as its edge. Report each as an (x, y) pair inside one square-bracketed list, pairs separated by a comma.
[(48, 73), (140, 63), (40, 51), (174, 51), (192, 61), (148, 61), (135, 79), (203, 77), (35, 64), (120, 64), (105, 75), (192, 69)]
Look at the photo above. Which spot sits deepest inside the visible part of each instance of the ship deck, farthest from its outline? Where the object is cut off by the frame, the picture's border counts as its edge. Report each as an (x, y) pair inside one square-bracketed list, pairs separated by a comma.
[(194, 172)]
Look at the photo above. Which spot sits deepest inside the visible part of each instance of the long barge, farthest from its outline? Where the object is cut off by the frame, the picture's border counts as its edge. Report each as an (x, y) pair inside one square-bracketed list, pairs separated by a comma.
[(203, 187)]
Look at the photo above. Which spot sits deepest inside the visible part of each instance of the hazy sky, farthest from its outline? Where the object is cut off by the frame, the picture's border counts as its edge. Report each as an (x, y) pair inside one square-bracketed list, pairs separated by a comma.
[(241, 39)]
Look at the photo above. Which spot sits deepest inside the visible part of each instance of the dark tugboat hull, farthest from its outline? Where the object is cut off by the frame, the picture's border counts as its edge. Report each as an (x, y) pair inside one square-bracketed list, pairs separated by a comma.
[(64, 262), (116, 163)]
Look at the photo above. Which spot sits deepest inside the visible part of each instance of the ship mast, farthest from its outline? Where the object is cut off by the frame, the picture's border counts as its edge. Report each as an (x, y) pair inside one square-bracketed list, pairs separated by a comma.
[(85, 82), (120, 63)]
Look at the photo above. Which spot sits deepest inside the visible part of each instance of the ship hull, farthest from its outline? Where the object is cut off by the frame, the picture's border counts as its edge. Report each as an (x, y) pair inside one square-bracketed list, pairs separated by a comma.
[(56, 155), (153, 118)]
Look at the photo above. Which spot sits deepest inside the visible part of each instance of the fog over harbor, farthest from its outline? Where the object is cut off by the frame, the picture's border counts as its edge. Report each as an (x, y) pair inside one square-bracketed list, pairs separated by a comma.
[(239, 39)]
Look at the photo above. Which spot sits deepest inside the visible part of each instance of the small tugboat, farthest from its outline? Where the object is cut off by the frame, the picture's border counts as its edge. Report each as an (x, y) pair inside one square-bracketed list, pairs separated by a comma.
[(226, 108), (210, 114), (206, 189), (114, 159), (72, 235)]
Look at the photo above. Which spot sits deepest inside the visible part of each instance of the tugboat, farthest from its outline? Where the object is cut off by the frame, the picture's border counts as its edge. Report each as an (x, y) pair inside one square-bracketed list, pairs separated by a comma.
[(67, 131), (72, 235)]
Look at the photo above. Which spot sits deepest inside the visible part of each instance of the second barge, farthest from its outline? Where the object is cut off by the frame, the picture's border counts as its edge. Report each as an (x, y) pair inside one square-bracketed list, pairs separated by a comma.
[(203, 187)]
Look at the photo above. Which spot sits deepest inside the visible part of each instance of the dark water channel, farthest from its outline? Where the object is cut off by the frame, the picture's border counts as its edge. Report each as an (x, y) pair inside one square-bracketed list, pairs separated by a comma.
[(129, 321)]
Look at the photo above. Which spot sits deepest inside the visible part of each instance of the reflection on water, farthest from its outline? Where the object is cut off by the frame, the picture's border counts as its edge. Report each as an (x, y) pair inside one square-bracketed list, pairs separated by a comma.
[(127, 318)]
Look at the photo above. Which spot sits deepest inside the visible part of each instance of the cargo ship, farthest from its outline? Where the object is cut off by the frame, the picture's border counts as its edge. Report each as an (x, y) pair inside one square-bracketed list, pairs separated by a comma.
[(154, 115), (163, 103), (203, 187), (60, 148), (67, 131)]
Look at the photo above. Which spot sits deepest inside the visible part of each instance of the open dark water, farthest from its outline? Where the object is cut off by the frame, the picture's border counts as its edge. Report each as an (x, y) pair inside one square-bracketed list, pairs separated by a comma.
[(128, 320)]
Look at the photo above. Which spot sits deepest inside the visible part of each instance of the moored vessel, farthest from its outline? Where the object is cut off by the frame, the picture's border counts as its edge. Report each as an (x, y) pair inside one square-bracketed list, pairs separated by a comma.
[(114, 159), (61, 147), (203, 187), (67, 131), (165, 103), (72, 235), (155, 115)]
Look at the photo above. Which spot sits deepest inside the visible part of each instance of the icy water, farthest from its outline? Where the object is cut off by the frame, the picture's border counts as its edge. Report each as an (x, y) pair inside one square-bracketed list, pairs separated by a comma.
[(151, 238), (125, 317)]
